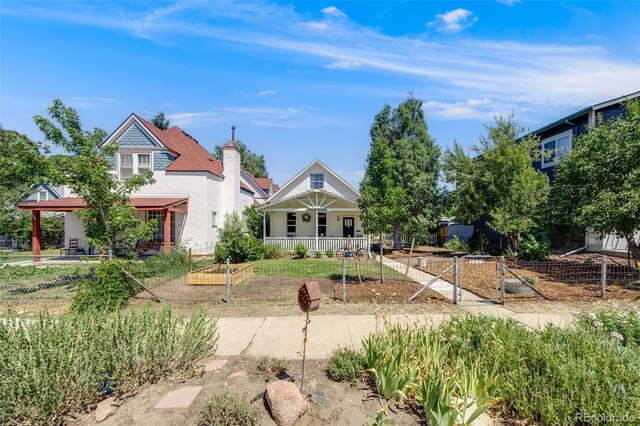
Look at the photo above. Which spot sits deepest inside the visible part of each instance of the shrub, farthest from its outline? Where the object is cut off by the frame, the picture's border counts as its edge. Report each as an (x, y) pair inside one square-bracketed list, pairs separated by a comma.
[(534, 250), (478, 241), (456, 245), (228, 410), (612, 322), (105, 288), (273, 251), (318, 255), (529, 280), (236, 244), (330, 253), (345, 365), (548, 377), (300, 251), (271, 367), (53, 366), (175, 262)]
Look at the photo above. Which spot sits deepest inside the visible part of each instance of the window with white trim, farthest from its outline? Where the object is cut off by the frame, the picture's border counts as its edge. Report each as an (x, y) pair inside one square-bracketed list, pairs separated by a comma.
[(131, 164), (158, 215), (317, 180), (43, 195), (214, 219), (555, 147)]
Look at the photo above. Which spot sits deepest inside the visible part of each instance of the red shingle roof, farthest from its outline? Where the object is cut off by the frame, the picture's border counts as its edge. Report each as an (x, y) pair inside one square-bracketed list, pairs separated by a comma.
[(246, 187), (264, 183), (191, 156)]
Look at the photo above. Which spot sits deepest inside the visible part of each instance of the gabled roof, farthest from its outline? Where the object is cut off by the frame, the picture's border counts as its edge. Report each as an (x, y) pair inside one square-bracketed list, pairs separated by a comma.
[(190, 155), (265, 184), (279, 191)]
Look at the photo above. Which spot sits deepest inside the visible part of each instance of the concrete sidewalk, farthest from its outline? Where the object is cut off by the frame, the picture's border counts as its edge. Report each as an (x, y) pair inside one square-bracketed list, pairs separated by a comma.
[(282, 336)]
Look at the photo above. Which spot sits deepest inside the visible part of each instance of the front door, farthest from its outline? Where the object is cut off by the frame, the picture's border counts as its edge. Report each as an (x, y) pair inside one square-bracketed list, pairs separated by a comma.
[(348, 227)]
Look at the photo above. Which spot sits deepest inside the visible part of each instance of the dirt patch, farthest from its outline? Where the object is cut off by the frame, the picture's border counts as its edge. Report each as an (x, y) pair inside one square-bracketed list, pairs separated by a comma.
[(391, 291), (347, 405), (565, 280)]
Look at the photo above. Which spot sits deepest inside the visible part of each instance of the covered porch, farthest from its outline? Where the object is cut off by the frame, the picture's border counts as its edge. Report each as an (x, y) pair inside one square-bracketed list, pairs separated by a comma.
[(318, 219), (167, 211)]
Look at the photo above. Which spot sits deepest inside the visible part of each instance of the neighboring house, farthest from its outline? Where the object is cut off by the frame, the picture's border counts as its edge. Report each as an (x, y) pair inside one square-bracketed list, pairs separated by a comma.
[(316, 208), (556, 141), (192, 193)]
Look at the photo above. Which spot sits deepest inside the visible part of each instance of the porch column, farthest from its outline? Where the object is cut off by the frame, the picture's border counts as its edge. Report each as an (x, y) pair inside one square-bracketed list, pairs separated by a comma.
[(264, 226), (316, 229), (36, 235), (167, 231)]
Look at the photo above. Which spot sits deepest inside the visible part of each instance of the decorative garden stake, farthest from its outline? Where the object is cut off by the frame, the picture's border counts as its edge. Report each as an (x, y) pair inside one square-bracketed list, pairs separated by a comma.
[(309, 301)]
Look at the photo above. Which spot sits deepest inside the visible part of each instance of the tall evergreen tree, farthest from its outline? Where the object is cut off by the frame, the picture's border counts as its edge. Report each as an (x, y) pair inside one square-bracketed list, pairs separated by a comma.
[(160, 121)]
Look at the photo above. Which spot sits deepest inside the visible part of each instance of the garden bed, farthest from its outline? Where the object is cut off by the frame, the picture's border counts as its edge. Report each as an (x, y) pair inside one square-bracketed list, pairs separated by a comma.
[(217, 274)]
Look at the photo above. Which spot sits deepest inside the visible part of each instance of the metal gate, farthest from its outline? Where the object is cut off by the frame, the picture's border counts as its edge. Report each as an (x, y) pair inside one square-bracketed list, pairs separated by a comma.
[(479, 277)]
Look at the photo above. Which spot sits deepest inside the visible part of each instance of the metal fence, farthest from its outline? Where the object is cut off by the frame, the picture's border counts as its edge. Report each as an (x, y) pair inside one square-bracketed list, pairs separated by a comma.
[(52, 281), (498, 279)]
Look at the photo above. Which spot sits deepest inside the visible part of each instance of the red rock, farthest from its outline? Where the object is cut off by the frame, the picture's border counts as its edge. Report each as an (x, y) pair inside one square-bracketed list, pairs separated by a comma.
[(286, 402)]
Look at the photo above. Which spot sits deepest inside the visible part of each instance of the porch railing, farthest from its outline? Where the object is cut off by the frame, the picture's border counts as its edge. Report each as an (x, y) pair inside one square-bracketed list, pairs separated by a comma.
[(324, 243)]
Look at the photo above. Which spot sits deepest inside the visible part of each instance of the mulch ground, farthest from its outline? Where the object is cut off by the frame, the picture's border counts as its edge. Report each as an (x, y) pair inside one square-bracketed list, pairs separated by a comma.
[(556, 280), (391, 291)]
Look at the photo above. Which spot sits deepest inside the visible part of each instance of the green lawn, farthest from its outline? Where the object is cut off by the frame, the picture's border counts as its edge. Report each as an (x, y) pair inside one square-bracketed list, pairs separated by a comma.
[(318, 268)]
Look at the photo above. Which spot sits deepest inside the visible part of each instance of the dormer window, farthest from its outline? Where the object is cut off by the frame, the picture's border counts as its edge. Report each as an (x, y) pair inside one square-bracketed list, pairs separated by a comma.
[(131, 164), (317, 180)]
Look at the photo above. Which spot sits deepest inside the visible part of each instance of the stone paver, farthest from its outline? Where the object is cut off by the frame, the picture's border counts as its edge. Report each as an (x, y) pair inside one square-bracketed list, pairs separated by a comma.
[(179, 399), (214, 365)]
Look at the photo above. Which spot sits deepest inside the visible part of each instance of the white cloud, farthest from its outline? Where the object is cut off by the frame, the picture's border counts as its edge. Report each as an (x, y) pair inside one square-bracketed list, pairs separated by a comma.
[(334, 11), (470, 109), (266, 93), (514, 75), (454, 20), (316, 25), (508, 2)]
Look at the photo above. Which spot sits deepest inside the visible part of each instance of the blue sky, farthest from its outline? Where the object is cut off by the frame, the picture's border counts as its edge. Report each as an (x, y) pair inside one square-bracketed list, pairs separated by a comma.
[(303, 80)]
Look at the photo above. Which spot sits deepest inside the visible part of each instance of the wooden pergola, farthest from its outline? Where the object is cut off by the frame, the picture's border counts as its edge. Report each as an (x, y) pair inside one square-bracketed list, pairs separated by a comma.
[(69, 204)]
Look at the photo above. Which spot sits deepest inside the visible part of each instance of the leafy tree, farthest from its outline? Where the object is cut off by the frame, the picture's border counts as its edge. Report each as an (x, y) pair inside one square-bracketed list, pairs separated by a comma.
[(250, 161), (23, 163), (109, 219), (597, 185), (500, 182), (381, 200), (253, 220), (160, 121), (415, 166), (236, 244)]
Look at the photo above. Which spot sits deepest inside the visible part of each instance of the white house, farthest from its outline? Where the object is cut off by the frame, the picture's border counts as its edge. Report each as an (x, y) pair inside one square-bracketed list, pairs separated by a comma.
[(316, 208), (192, 193)]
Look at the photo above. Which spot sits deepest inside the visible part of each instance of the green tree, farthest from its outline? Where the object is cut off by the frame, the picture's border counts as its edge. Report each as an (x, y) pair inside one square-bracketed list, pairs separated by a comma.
[(415, 167), (160, 121), (109, 219), (253, 220), (23, 163), (500, 182), (234, 243), (597, 185), (250, 161), (381, 200)]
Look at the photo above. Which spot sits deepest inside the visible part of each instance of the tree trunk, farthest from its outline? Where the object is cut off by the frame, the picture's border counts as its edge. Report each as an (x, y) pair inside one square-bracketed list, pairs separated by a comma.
[(397, 236), (633, 248), (381, 253)]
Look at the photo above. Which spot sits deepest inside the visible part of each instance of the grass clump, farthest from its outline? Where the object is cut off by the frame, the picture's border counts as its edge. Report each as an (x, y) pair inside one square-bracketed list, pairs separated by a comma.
[(300, 251), (456, 245), (271, 367), (346, 365), (228, 410), (273, 251), (330, 253), (318, 255), (51, 367)]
